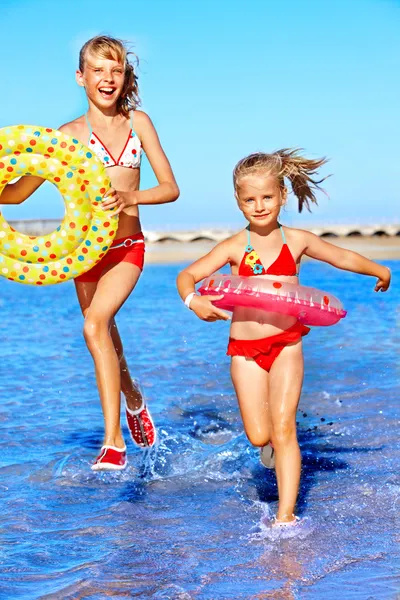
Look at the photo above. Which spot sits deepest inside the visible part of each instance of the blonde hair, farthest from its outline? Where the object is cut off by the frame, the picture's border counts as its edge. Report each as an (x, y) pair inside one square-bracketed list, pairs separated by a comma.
[(112, 49), (285, 163)]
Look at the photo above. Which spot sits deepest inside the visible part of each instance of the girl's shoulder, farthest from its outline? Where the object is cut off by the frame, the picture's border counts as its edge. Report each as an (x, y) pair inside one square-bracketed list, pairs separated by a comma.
[(140, 115), (75, 127), (238, 239), (236, 243), (227, 250), (294, 233), (232, 243), (141, 120), (297, 237)]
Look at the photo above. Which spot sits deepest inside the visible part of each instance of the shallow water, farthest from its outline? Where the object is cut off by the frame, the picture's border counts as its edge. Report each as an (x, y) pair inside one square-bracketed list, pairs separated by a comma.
[(190, 519)]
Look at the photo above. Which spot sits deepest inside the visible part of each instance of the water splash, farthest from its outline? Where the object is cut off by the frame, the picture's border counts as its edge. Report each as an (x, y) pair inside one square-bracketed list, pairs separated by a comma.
[(192, 517)]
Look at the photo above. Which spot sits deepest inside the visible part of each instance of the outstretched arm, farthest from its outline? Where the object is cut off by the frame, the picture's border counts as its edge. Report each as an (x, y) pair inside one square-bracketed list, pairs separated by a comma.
[(205, 266), (346, 260)]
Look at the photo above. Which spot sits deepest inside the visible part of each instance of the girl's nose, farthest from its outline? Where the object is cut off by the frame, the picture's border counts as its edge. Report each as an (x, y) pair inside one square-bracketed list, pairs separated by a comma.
[(259, 206)]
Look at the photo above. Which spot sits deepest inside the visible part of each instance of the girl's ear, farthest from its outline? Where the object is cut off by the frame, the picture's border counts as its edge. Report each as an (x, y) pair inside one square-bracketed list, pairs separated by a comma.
[(284, 195), (79, 78)]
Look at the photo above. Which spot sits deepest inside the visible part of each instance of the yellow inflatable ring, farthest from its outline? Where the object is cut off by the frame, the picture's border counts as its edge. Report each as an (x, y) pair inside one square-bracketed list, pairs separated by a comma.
[(86, 231)]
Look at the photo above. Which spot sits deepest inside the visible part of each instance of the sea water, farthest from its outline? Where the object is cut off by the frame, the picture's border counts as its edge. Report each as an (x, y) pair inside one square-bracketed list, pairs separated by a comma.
[(191, 518)]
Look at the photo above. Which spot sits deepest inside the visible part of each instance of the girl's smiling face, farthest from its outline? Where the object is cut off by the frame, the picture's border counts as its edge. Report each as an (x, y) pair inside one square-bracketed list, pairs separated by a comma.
[(260, 198), (103, 80)]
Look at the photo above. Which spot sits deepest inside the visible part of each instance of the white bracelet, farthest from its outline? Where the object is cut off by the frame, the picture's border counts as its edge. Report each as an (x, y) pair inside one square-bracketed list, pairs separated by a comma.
[(188, 299)]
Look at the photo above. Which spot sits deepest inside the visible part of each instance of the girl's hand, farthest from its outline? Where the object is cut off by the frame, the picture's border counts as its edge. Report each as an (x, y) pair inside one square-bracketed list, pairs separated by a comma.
[(383, 281), (114, 200), (205, 310)]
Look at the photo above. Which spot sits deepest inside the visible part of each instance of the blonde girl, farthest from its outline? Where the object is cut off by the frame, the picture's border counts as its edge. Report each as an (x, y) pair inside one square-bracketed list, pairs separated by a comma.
[(118, 133), (266, 348)]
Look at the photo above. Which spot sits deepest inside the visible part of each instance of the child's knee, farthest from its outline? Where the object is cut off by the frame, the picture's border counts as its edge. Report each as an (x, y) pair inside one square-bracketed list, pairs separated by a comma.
[(258, 438), (92, 329), (284, 433)]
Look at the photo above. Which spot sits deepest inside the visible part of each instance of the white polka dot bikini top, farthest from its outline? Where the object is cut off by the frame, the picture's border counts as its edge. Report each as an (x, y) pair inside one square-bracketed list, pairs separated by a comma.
[(130, 156)]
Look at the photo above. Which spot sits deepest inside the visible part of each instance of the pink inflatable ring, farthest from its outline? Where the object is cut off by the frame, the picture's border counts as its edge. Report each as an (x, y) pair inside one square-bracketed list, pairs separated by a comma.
[(309, 305)]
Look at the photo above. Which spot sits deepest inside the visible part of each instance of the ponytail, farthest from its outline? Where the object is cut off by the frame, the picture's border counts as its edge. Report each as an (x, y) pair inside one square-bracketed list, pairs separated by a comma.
[(285, 163)]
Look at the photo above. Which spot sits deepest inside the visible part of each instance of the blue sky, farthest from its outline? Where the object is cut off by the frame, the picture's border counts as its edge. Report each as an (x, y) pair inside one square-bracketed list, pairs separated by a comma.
[(221, 79)]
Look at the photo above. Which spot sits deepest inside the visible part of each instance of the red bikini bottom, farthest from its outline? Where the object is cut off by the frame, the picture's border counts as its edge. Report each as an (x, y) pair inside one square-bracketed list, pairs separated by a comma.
[(266, 350), (128, 249)]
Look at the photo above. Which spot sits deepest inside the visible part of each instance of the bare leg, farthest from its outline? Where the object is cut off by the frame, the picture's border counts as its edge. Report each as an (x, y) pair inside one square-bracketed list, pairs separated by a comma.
[(86, 291), (131, 392), (251, 385), (112, 290), (268, 404), (285, 382)]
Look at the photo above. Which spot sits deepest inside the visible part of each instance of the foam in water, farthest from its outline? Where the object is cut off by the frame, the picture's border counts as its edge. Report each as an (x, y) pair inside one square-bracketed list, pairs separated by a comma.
[(192, 517)]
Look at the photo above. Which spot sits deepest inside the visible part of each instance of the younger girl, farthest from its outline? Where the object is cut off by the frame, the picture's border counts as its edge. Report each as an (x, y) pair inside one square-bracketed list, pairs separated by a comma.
[(266, 348), (118, 134)]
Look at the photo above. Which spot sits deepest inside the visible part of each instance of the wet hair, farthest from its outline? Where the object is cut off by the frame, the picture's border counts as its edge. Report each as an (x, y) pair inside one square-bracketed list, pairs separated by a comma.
[(110, 48), (286, 163)]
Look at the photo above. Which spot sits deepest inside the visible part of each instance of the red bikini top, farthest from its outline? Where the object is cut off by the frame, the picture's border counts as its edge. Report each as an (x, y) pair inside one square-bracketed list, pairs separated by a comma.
[(252, 265)]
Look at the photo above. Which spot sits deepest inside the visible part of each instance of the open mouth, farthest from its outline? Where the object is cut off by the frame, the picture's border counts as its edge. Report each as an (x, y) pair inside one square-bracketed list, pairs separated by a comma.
[(106, 92)]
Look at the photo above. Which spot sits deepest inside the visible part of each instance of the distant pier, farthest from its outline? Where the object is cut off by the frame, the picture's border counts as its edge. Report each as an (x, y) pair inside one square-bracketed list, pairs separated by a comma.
[(215, 234)]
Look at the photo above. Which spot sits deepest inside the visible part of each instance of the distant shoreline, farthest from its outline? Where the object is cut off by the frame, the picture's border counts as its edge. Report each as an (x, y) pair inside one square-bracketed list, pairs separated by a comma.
[(375, 248), (378, 242)]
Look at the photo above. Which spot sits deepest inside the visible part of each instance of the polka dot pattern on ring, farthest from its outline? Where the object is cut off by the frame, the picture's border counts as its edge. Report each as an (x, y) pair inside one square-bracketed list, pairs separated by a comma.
[(81, 179)]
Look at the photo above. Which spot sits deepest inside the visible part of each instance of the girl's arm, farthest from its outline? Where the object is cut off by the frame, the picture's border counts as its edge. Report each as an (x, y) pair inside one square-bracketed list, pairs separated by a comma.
[(167, 189), (18, 192), (205, 266), (346, 260)]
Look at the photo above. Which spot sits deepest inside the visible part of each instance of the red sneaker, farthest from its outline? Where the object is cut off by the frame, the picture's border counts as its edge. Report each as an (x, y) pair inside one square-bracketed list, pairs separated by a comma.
[(141, 426), (110, 459)]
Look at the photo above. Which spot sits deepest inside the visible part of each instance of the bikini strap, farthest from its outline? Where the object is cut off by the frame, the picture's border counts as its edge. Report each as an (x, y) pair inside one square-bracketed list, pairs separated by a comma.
[(281, 230), (282, 234), (89, 126), (248, 235), (131, 119)]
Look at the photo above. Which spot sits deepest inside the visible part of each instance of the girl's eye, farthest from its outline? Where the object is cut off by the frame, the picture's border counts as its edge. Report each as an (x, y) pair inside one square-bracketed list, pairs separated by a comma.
[(267, 197), (249, 200)]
